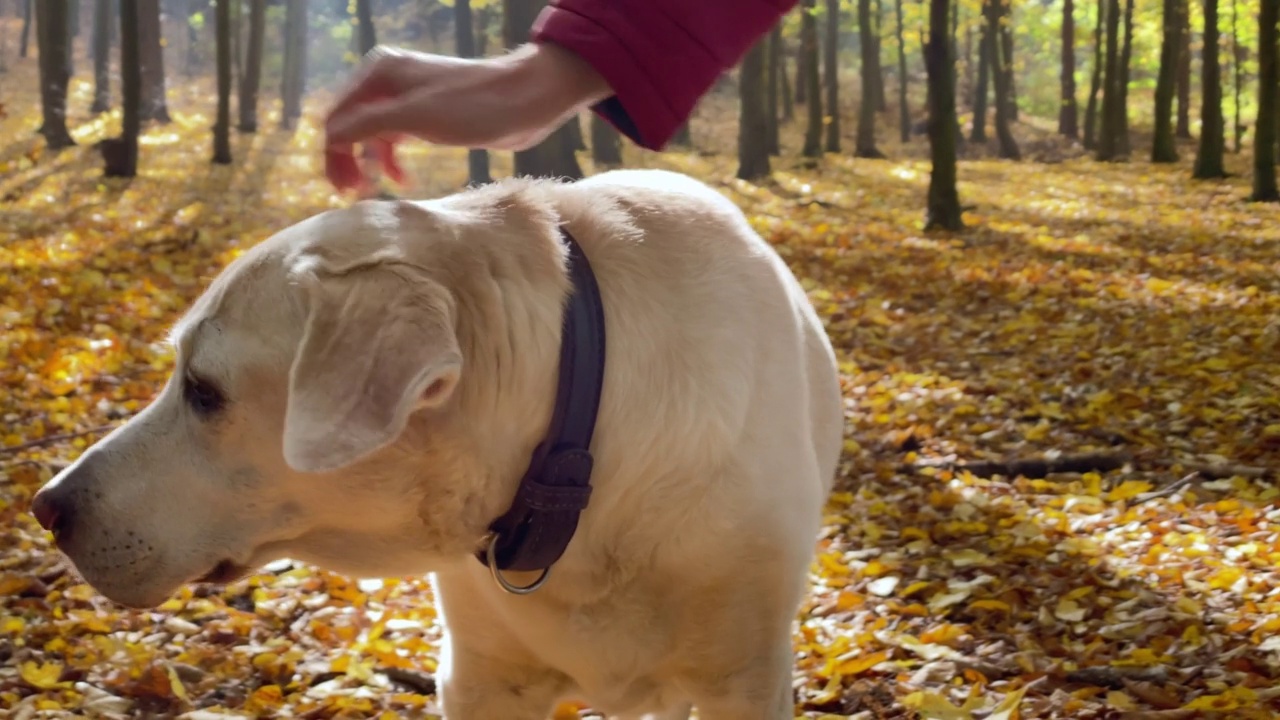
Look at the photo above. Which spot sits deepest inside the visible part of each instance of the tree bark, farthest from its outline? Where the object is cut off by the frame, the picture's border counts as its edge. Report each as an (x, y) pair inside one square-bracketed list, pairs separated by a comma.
[(775, 73), (1095, 82), (121, 154), (222, 126), (944, 201), (882, 99), (364, 19), (904, 111), (1238, 55), (24, 41), (1183, 127), (831, 72), (785, 97), (1126, 56), (979, 132), (865, 147), (606, 143), (101, 56), (465, 45), (554, 156), (294, 78), (482, 17), (151, 52), (753, 146), (252, 77), (809, 60), (52, 38), (1209, 160), (1109, 132), (1264, 141), (1068, 112), (1004, 103), (1006, 62), (1164, 148), (802, 57)]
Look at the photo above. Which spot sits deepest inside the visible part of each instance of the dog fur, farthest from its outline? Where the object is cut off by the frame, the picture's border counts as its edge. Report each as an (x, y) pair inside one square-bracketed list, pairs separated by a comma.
[(387, 370)]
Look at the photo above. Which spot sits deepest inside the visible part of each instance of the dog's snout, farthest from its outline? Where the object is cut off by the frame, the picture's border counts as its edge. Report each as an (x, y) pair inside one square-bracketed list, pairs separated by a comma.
[(54, 511)]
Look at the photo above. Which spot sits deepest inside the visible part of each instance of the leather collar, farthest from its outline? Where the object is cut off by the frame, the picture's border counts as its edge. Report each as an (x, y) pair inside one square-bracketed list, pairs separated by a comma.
[(536, 529)]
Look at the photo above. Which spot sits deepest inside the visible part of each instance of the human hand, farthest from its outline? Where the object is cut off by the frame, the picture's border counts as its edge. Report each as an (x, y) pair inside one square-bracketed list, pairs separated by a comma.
[(510, 102)]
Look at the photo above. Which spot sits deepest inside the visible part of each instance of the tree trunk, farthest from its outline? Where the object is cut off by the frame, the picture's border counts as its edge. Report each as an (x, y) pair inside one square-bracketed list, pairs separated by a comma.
[(1095, 82), (1264, 140), (482, 17), (944, 202), (1068, 112), (1006, 61), (830, 69), (904, 111), (775, 73), (24, 41), (979, 132), (294, 78), (554, 156), (52, 39), (253, 67), (784, 92), (1164, 148), (222, 126), (809, 60), (364, 19), (1238, 55), (865, 146), (1183, 127), (882, 98), (465, 45), (1004, 103), (1126, 56), (802, 56), (1209, 160), (151, 52), (192, 57), (1109, 132), (683, 137), (753, 146), (121, 154), (606, 143), (101, 56)]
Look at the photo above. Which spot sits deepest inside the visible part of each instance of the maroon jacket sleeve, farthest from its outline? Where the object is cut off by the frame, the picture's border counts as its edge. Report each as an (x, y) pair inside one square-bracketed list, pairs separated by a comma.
[(659, 56)]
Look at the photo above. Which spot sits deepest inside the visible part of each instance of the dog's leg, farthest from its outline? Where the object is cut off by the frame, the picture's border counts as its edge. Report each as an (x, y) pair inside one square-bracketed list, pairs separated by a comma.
[(680, 713), (760, 691), (476, 687)]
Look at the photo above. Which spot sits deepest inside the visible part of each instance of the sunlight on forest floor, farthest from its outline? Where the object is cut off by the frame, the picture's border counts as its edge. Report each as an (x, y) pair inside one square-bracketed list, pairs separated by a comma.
[(1119, 310)]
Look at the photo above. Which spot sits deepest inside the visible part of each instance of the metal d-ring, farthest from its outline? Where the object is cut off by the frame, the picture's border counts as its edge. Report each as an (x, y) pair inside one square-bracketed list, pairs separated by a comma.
[(491, 559)]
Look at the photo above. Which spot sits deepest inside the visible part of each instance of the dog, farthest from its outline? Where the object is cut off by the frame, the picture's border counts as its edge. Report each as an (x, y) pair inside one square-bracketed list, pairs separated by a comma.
[(363, 391)]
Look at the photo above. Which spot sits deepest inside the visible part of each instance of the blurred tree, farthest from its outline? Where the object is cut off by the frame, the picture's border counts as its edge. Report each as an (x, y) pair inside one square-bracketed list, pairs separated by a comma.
[(1183, 127), (554, 156), (1164, 148), (978, 133), (809, 61), (753, 128), (25, 39), (121, 154), (1209, 160), (831, 73), (775, 73), (364, 19), (1264, 145), (606, 143), (1126, 61), (904, 112), (1109, 127), (865, 145), (151, 52), (52, 39), (1068, 111), (944, 210), (253, 67), (222, 126), (465, 44), (1095, 83), (1001, 76), (293, 79), (102, 16)]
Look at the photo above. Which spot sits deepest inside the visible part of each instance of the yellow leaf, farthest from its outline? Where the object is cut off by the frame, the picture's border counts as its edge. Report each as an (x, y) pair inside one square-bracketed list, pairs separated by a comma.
[(1008, 707), (1120, 700), (43, 676), (862, 663), (1232, 699), (1069, 611), (175, 684), (997, 605), (933, 706), (1128, 490)]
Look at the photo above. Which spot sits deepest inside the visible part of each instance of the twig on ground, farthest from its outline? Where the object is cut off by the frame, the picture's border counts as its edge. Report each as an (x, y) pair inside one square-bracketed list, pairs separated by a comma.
[(51, 439), (1168, 490), (1219, 472), (419, 682), (1114, 677), (1031, 467)]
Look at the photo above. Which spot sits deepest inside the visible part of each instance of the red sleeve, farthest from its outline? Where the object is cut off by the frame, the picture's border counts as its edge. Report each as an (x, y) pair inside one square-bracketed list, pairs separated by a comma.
[(659, 56)]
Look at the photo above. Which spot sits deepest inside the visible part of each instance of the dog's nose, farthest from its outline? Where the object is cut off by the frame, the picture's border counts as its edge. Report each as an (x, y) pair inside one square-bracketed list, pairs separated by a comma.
[(53, 513)]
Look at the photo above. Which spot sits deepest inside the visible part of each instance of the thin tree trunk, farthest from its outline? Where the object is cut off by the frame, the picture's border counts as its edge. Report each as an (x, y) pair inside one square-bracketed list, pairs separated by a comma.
[(753, 146), (121, 154), (1068, 112), (1238, 53), (554, 156), (294, 78), (904, 112), (944, 201), (1004, 104), (775, 73), (151, 51), (1126, 56), (809, 60), (364, 19), (1095, 83), (1164, 148), (1183, 127), (801, 85), (53, 38), (1209, 160), (606, 143), (222, 126), (1264, 141), (831, 73), (465, 45), (785, 97), (253, 67), (1109, 132), (979, 132), (865, 146), (24, 41), (882, 99), (683, 137), (482, 16), (1006, 62), (101, 56)]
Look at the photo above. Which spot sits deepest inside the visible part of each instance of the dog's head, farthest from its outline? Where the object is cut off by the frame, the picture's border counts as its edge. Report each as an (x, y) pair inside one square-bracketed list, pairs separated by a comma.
[(296, 372)]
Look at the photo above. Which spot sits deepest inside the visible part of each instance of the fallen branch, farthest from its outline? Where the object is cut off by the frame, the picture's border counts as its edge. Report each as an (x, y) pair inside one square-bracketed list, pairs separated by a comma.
[(1220, 472), (419, 682), (1168, 490), (1030, 467), (1114, 677), (51, 439)]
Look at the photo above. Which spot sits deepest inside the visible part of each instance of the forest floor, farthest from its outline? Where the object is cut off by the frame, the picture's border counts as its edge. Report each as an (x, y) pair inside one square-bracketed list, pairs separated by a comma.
[(1120, 320)]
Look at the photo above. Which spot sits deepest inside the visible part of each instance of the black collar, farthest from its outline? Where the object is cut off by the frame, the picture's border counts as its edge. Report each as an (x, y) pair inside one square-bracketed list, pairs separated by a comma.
[(534, 532)]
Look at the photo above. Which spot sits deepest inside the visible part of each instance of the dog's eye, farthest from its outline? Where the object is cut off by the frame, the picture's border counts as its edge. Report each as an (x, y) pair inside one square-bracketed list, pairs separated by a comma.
[(204, 397)]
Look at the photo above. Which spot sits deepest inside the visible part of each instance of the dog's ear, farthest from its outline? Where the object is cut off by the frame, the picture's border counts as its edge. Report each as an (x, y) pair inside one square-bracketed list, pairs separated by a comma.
[(379, 343)]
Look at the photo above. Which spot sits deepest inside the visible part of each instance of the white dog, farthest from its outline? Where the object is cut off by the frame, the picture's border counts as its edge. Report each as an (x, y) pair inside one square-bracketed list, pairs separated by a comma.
[(364, 390)]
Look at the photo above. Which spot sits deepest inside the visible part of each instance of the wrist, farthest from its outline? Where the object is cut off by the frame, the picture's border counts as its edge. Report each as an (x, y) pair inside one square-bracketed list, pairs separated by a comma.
[(552, 82)]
